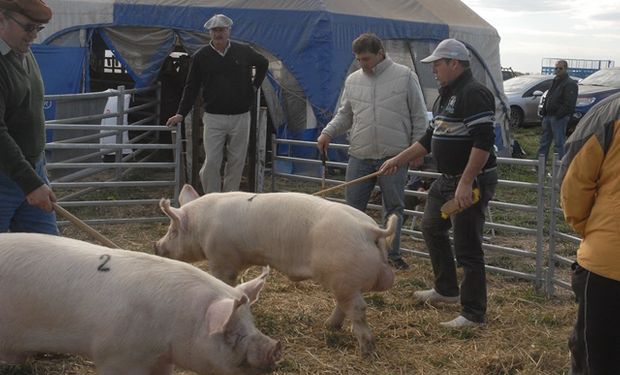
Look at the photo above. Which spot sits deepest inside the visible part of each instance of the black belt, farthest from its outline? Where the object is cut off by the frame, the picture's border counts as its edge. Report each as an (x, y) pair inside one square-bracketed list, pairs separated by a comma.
[(459, 175)]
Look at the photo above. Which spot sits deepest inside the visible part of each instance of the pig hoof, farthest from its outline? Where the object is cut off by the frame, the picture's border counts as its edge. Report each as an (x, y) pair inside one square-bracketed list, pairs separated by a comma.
[(368, 349), (333, 325)]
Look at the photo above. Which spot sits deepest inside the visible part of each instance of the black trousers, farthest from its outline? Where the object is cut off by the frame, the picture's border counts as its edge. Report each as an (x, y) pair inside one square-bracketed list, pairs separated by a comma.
[(595, 341), (467, 230)]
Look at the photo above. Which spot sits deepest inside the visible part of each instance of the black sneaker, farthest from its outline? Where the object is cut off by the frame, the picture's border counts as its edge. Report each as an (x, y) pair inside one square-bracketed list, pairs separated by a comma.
[(399, 264)]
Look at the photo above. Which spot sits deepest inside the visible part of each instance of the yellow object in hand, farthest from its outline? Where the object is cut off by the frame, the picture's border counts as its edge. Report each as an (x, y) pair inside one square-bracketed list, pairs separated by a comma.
[(451, 207)]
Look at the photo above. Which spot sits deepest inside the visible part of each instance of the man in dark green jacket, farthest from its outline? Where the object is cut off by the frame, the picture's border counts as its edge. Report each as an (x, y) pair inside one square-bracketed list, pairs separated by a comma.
[(25, 197)]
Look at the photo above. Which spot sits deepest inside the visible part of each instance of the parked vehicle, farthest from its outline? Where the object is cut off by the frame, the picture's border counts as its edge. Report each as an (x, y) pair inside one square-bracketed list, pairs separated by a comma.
[(523, 94), (592, 90)]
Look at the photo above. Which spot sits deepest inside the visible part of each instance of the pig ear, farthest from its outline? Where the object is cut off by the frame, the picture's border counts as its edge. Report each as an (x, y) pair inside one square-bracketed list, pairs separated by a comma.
[(220, 314), (253, 287), (187, 194), (178, 217)]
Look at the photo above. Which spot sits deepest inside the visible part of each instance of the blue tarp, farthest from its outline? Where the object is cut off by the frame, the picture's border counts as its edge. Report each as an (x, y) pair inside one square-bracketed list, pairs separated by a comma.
[(62, 70)]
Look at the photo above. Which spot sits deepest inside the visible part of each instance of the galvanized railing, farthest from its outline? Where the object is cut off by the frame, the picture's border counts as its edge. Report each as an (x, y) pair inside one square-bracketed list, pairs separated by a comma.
[(544, 231)]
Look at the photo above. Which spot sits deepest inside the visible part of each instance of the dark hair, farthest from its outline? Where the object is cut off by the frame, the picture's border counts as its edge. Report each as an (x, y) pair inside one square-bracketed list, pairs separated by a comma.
[(367, 42), (564, 63), (464, 63)]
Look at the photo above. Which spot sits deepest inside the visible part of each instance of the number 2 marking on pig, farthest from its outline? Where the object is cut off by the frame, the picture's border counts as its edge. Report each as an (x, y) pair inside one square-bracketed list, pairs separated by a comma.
[(102, 267)]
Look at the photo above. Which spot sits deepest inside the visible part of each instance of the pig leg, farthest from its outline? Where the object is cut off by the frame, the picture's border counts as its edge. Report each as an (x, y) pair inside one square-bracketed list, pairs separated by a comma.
[(9, 358), (225, 269), (227, 275), (355, 309), (334, 322), (163, 370)]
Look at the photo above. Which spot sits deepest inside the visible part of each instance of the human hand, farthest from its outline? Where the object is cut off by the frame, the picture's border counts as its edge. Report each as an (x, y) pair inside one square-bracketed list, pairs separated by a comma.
[(323, 143), (463, 195), (42, 197), (172, 121), (389, 167)]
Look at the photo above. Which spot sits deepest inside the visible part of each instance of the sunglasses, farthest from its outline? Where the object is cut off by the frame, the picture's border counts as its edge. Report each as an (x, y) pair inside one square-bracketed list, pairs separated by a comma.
[(29, 27), (559, 68)]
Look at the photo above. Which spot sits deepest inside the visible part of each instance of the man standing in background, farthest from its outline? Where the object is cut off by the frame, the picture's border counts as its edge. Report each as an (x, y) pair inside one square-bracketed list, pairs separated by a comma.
[(383, 108), (223, 69), (557, 109), (25, 196)]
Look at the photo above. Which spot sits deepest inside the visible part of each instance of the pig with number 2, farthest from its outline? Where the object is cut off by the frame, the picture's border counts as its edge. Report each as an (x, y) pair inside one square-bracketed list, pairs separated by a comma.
[(300, 235), (131, 313)]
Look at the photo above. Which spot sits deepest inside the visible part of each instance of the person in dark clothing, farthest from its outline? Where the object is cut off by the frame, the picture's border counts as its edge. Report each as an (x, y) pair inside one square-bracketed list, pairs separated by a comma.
[(25, 195), (557, 109), (461, 140), (223, 69)]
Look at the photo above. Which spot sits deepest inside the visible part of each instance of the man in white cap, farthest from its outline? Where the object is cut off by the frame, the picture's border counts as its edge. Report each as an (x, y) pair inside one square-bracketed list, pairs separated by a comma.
[(25, 196), (224, 71), (461, 139)]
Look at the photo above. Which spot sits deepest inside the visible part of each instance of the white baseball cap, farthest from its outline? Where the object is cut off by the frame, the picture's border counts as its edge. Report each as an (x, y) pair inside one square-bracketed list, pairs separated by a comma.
[(218, 20), (448, 49)]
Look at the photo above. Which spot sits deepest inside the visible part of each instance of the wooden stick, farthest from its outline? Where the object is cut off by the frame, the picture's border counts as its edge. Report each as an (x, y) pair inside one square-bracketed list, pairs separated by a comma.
[(323, 172), (360, 179), (85, 227)]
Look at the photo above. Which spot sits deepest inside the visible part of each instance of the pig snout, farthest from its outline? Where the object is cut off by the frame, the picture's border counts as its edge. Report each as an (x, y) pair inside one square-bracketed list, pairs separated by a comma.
[(264, 355)]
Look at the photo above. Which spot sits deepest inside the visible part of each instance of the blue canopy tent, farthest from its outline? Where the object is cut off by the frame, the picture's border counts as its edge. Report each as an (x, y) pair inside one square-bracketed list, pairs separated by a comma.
[(308, 43)]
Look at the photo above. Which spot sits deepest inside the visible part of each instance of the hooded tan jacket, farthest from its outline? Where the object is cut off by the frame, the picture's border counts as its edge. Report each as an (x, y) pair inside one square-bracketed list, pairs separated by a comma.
[(590, 192)]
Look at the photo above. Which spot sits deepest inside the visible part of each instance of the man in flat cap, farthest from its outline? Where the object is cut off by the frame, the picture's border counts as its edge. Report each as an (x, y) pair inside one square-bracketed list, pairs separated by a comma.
[(25, 196), (461, 139), (224, 71)]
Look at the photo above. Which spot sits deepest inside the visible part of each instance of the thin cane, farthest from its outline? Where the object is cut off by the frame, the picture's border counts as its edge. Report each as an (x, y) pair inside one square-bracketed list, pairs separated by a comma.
[(357, 180), (85, 227)]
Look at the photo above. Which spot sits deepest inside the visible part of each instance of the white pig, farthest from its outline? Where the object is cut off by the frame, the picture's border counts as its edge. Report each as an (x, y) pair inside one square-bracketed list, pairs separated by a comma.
[(131, 313), (302, 236)]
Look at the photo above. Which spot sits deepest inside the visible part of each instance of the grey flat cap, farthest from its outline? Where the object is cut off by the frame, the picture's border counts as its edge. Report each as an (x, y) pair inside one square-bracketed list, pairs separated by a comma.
[(448, 49), (219, 20)]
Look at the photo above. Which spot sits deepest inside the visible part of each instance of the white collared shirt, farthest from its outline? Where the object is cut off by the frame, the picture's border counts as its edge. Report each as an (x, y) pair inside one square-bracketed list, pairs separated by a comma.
[(5, 49), (218, 51)]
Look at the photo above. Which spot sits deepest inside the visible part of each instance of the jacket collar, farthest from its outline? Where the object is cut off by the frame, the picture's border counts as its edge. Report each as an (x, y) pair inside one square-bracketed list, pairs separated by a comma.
[(455, 85), (382, 66)]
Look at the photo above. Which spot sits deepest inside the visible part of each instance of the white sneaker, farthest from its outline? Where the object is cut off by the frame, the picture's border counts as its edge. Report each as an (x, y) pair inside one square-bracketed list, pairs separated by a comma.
[(460, 322), (431, 296)]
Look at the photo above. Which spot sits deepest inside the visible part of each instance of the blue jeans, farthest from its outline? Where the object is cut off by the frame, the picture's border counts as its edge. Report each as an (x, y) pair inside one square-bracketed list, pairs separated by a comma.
[(467, 229), (16, 214), (392, 192), (553, 128)]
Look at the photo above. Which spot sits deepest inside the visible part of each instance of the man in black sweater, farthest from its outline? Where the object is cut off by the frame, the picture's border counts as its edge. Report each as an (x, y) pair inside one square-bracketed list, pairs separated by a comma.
[(224, 71), (557, 109)]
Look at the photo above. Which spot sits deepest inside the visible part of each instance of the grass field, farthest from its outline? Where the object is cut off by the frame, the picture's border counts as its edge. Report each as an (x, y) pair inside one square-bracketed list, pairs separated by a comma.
[(526, 332)]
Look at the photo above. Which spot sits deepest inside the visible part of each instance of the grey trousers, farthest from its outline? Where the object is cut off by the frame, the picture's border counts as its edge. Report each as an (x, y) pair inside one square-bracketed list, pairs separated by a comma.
[(232, 132)]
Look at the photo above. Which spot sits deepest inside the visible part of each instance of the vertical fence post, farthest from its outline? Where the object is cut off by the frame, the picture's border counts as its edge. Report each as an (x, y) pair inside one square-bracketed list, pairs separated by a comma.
[(540, 222), (178, 161), (158, 105), (120, 120), (274, 148), (261, 138), (550, 290)]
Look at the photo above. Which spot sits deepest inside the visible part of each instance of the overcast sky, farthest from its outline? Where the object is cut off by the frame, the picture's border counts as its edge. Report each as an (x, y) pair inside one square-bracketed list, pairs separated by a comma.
[(531, 30)]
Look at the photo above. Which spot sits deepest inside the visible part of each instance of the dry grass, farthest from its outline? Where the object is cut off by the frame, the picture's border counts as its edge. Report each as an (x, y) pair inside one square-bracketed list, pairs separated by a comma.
[(526, 334)]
